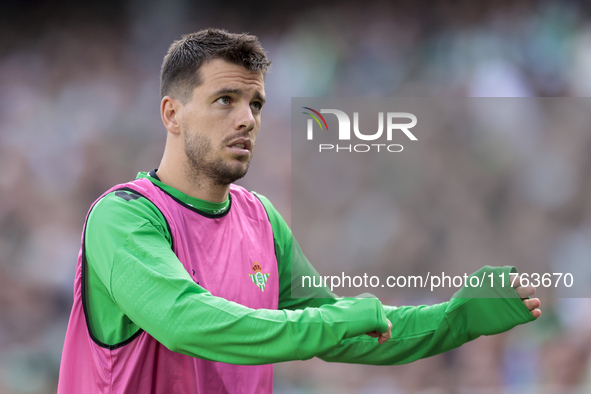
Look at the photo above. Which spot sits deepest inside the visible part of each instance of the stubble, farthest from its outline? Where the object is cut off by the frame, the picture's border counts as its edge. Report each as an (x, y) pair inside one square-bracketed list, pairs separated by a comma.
[(204, 165)]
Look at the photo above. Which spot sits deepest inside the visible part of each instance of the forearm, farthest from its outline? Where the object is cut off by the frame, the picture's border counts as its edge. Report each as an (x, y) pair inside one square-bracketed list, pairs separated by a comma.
[(417, 332)]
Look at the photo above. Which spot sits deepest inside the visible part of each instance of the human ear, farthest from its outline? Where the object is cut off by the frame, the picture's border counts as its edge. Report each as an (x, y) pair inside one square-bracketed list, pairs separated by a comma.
[(169, 110)]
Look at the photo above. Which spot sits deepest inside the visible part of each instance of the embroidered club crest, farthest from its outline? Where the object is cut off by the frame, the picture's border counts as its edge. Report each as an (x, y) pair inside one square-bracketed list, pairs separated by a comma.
[(258, 277)]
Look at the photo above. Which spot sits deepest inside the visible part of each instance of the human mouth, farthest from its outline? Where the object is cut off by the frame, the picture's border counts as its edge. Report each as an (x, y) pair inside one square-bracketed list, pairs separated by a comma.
[(240, 146)]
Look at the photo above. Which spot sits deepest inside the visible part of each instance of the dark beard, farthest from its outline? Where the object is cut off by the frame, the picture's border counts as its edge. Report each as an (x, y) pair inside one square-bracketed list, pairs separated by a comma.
[(219, 172)]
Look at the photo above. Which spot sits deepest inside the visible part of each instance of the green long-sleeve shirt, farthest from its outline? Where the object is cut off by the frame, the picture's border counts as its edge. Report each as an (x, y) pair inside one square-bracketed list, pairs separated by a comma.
[(135, 282)]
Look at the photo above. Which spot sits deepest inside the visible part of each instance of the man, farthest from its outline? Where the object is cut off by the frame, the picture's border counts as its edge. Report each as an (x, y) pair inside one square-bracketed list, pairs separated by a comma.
[(183, 282)]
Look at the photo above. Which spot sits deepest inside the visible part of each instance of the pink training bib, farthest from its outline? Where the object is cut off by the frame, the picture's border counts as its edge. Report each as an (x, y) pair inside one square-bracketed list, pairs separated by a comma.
[(231, 256)]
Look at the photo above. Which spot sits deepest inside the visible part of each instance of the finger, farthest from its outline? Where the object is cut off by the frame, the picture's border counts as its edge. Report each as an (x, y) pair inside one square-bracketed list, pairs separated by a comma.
[(525, 292), (532, 304), (374, 334), (517, 282), (387, 335)]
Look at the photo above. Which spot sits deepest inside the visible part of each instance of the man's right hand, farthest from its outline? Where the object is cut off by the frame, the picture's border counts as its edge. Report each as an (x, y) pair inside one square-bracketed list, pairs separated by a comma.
[(382, 336)]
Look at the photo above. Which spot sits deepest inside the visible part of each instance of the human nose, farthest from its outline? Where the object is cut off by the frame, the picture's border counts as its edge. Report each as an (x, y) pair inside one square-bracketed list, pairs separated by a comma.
[(245, 119)]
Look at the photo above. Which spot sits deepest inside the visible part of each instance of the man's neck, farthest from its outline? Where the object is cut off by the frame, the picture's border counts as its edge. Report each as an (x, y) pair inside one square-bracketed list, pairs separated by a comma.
[(203, 189)]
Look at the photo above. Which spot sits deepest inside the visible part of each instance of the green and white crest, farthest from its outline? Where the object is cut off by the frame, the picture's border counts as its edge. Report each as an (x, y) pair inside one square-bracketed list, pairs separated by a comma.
[(258, 278)]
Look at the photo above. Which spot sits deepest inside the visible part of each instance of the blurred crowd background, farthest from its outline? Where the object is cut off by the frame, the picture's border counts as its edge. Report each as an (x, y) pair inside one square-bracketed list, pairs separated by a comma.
[(79, 98)]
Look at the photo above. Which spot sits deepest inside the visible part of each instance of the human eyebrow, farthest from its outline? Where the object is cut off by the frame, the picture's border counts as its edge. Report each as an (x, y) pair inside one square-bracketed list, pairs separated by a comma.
[(257, 96), (260, 97), (224, 91)]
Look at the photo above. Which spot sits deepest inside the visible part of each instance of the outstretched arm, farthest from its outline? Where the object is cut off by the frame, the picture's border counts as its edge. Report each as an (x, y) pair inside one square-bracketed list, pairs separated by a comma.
[(425, 331)]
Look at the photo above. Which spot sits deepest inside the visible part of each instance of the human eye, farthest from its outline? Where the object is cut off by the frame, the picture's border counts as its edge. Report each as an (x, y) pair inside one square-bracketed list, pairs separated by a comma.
[(224, 100), (257, 105)]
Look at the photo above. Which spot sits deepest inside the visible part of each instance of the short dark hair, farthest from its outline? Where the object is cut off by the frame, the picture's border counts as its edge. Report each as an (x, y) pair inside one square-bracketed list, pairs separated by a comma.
[(180, 69)]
